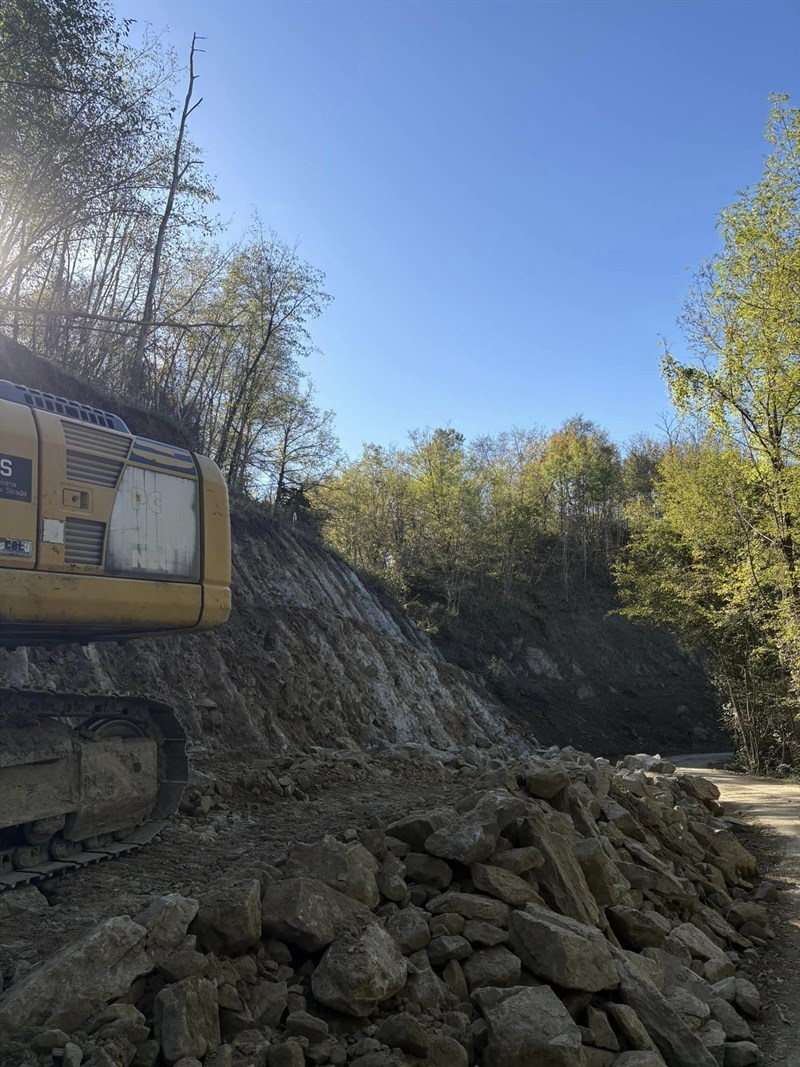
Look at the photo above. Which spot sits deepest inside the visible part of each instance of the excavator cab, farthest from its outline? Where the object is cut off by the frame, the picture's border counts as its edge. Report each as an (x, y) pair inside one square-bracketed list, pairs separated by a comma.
[(104, 535)]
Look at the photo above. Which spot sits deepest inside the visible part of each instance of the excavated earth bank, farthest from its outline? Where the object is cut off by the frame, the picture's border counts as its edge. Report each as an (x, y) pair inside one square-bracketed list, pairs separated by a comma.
[(541, 910), (311, 655)]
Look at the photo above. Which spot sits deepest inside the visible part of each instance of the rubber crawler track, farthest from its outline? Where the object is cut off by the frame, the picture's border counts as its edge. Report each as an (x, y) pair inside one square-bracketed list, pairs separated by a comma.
[(158, 721)]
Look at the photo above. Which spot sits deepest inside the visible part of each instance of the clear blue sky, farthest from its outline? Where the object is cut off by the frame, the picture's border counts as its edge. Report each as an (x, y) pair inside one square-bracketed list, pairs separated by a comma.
[(507, 198)]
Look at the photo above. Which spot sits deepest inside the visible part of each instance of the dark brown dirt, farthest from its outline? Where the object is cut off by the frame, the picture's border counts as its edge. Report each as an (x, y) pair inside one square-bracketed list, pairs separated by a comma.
[(193, 853)]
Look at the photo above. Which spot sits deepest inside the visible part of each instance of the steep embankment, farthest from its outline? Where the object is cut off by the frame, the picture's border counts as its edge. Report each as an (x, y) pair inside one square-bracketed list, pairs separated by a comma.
[(582, 674), (309, 656), (313, 656)]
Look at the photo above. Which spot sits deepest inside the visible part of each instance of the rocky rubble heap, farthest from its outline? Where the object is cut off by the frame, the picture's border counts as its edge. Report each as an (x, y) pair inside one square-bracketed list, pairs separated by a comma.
[(563, 914)]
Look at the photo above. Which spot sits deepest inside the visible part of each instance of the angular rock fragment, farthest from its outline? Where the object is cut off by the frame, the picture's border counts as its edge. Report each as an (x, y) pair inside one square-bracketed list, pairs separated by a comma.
[(447, 947), (694, 941), (68, 988), (187, 1019), (409, 927), (600, 1030), (307, 913), (347, 867), (561, 880), (674, 1040), (630, 1028), (518, 860), (545, 779), (526, 1026), (229, 921), (359, 972), (504, 885), (429, 870), (404, 1032), (562, 950), (471, 906), (603, 876), (483, 933), (471, 837), (741, 1054), (416, 829), (492, 967), (638, 929), (747, 998)]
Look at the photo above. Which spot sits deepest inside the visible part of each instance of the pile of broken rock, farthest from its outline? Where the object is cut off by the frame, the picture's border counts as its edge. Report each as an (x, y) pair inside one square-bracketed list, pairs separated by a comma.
[(566, 914)]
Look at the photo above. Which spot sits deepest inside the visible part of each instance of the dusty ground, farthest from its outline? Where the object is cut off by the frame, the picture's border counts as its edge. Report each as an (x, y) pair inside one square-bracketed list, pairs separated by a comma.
[(773, 809), (194, 852)]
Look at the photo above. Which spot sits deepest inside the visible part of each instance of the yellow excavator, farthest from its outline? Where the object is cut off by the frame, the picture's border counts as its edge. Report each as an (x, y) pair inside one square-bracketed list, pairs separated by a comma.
[(104, 536)]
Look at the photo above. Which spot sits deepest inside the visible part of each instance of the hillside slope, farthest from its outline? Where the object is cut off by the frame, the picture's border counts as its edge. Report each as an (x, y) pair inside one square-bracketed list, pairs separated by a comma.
[(583, 675), (312, 656)]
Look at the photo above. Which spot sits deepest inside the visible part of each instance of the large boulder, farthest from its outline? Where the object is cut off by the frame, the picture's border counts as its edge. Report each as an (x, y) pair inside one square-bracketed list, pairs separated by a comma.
[(360, 971), (561, 879), (69, 987), (526, 1026), (345, 866), (228, 921), (562, 950), (679, 1046), (167, 920), (471, 837), (603, 876), (187, 1019), (544, 778), (308, 913)]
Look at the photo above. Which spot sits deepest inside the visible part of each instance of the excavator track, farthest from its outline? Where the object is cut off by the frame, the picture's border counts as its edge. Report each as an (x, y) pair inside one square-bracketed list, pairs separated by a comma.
[(107, 772)]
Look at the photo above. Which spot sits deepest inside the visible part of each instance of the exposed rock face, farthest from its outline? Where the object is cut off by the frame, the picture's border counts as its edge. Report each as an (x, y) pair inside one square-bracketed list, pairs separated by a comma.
[(309, 656), (507, 966), (313, 656)]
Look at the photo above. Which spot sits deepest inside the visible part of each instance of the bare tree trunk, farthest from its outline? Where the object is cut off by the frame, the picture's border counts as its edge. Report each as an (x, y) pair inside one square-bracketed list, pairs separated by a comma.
[(137, 371)]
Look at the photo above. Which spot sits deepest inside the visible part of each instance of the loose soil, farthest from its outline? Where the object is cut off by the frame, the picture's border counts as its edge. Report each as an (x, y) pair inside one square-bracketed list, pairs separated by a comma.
[(195, 852)]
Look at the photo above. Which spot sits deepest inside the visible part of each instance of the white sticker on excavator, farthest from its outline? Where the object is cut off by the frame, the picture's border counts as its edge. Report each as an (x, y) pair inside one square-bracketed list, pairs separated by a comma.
[(52, 531), (153, 528)]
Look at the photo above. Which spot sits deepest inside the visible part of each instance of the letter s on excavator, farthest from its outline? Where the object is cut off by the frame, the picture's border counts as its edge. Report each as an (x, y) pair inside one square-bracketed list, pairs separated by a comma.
[(103, 536)]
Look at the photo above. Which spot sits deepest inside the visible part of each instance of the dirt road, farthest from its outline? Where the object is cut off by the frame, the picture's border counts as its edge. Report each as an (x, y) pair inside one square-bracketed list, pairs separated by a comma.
[(775, 806)]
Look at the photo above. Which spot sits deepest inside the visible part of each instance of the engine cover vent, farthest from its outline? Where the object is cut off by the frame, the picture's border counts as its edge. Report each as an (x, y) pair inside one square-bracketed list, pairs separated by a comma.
[(83, 542), (113, 445), (59, 405), (95, 470)]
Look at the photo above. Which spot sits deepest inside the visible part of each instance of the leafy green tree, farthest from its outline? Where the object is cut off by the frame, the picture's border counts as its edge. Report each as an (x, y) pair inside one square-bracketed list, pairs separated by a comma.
[(695, 564), (713, 552), (742, 324)]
